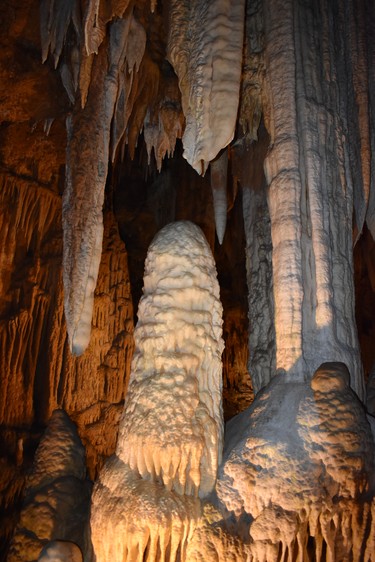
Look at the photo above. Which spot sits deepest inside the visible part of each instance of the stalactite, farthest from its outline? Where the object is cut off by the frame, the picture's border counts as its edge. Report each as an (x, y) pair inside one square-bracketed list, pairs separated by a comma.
[(205, 48), (135, 48), (170, 438), (247, 159), (87, 165), (359, 129), (55, 18), (251, 103), (219, 174), (96, 17), (370, 47), (164, 120), (95, 403)]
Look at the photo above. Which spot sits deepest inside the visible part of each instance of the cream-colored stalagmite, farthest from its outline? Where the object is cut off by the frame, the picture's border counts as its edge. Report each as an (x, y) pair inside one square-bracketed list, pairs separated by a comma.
[(310, 190), (86, 174), (205, 48), (171, 432)]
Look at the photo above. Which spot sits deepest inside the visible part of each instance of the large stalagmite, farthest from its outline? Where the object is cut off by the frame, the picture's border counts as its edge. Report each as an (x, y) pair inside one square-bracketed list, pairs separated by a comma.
[(171, 432)]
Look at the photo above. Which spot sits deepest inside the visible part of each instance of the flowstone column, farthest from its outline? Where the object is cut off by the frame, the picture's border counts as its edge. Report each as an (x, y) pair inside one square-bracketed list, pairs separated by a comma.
[(171, 432), (309, 170)]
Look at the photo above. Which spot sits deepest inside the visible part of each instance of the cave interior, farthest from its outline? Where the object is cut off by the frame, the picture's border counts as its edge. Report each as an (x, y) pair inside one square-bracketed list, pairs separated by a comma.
[(254, 120)]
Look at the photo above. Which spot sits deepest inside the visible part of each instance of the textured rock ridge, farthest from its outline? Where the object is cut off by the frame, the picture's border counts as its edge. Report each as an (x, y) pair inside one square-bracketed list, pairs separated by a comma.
[(171, 431)]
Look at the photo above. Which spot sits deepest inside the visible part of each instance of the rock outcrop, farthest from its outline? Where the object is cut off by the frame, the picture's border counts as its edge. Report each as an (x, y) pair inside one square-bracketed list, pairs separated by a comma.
[(298, 471), (57, 494)]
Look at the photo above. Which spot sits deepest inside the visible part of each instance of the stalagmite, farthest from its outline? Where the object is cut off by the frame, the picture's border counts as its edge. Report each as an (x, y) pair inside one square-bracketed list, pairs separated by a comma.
[(57, 495), (171, 432), (178, 342), (205, 48), (87, 165), (219, 173), (298, 467)]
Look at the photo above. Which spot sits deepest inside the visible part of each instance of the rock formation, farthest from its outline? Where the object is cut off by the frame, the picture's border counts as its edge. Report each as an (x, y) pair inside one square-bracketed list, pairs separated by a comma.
[(57, 494), (276, 101), (60, 551), (298, 469), (171, 431)]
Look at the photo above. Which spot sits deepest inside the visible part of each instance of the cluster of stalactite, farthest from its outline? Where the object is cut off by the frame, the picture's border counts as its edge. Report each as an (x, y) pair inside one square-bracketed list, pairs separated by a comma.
[(119, 87)]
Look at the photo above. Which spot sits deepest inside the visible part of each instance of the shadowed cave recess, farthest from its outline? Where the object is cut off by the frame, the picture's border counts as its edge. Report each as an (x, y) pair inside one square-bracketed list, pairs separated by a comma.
[(187, 280)]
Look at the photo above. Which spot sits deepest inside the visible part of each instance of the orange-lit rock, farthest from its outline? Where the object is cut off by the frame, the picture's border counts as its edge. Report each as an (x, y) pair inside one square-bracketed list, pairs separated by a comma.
[(56, 503)]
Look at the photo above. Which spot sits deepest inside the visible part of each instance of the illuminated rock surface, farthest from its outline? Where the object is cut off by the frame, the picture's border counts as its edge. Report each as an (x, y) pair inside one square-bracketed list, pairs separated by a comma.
[(171, 432), (56, 503), (298, 469)]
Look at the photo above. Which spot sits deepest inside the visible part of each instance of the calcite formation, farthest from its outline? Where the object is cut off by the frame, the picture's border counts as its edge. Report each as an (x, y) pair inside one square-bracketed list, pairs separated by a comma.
[(171, 431), (86, 174), (298, 471), (57, 493), (277, 97), (219, 178), (60, 551), (311, 200), (205, 49)]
